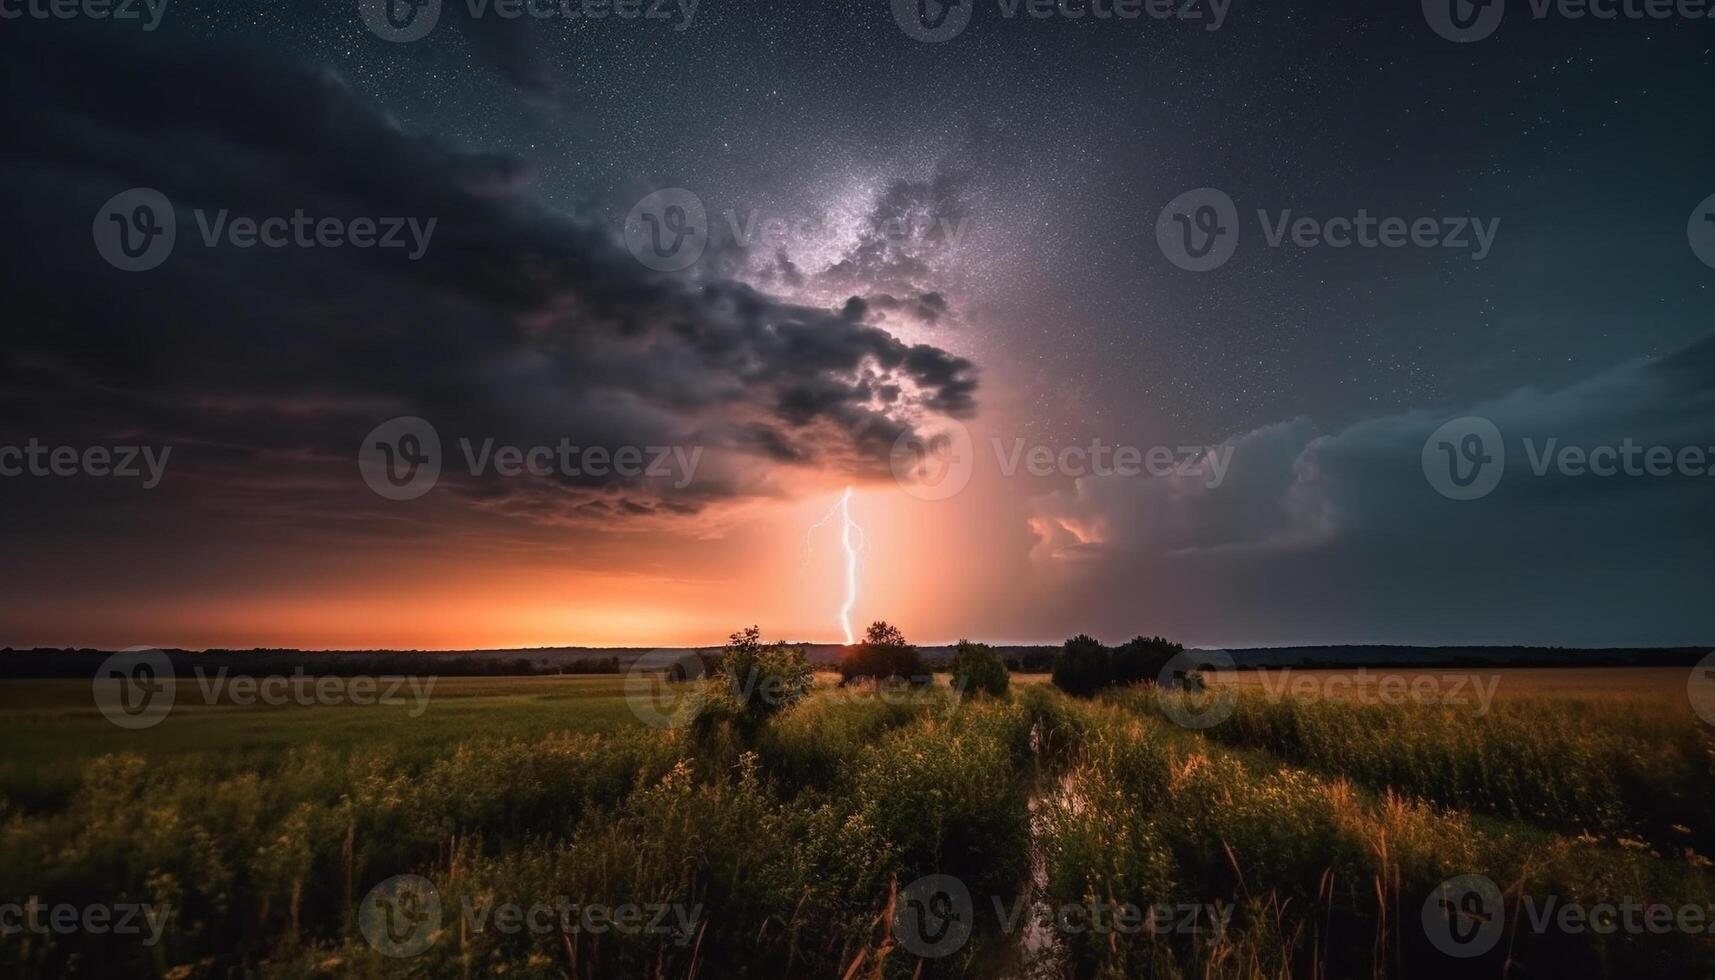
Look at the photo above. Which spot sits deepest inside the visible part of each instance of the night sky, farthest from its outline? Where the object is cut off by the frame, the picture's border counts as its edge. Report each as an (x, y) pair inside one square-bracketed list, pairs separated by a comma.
[(1033, 303)]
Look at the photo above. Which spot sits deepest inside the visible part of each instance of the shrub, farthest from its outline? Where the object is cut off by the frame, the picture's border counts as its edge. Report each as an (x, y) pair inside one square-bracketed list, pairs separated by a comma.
[(1083, 667), (978, 670), (757, 681), (884, 655), (951, 797), (1143, 659), (815, 744)]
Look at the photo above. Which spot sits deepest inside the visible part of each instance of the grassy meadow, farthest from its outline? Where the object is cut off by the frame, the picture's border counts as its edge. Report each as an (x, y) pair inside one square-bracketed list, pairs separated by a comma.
[(1298, 837)]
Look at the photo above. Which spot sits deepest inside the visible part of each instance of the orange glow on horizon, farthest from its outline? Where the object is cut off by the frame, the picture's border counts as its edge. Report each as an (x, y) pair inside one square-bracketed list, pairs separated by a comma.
[(467, 580)]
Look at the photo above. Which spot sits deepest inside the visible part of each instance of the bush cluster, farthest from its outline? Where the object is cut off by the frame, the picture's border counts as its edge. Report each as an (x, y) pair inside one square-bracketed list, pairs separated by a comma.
[(756, 681), (1085, 666), (978, 670)]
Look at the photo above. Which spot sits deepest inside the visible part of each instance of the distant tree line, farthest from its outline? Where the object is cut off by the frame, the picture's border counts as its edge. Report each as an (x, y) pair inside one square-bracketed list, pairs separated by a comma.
[(1081, 660), (1035, 660), (884, 656), (84, 663)]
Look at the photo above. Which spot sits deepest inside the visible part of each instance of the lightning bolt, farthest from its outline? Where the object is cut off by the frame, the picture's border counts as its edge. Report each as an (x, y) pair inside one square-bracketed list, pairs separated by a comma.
[(852, 539)]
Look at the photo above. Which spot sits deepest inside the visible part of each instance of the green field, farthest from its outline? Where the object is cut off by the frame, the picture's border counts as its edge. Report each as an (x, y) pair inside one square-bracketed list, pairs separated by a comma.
[(52, 727), (1313, 831)]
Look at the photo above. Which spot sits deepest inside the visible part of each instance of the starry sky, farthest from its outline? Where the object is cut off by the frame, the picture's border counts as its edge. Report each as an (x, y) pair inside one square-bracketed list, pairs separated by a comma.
[(1035, 303)]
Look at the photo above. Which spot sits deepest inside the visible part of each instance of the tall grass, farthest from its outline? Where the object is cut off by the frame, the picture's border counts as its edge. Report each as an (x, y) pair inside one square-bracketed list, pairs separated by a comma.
[(1616, 770), (792, 847), (789, 843), (1328, 879)]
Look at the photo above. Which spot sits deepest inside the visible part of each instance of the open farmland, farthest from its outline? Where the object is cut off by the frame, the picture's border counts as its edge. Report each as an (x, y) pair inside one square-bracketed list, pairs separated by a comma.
[(861, 832)]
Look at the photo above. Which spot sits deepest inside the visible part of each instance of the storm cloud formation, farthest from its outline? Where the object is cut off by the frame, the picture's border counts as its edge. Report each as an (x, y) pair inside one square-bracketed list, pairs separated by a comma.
[(517, 323), (884, 215), (1307, 521)]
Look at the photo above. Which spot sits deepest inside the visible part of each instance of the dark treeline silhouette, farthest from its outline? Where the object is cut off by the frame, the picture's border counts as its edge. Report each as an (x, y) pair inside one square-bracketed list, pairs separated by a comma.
[(1031, 660), (46, 662), (43, 663)]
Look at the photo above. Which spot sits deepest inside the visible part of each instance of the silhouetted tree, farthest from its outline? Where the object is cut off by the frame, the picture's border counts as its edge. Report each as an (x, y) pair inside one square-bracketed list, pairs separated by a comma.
[(978, 670), (884, 655), (1143, 659), (884, 634), (1083, 667)]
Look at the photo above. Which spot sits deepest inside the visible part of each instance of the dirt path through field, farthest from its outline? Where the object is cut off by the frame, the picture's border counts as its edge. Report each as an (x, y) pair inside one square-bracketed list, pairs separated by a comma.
[(1040, 955)]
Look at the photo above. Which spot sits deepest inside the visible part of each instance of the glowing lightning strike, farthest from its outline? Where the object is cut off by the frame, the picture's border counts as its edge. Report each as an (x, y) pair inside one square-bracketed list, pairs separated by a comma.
[(848, 529)]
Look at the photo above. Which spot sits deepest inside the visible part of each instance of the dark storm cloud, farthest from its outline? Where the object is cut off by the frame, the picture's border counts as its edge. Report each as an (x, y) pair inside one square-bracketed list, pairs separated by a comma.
[(1347, 525), (783, 272), (518, 322), (926, 307)]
